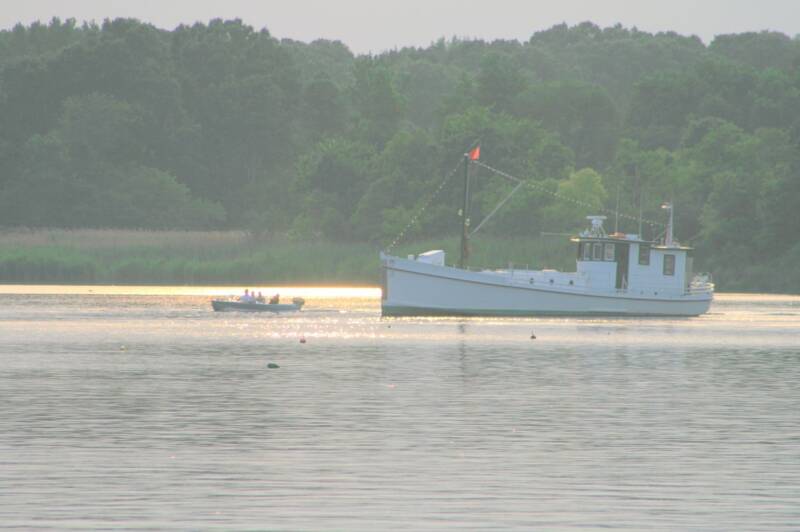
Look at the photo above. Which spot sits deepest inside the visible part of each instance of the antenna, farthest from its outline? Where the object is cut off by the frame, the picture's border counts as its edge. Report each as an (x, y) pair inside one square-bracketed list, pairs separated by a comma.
[(668, 238), (640, 215), (641, 194), (597, 226)]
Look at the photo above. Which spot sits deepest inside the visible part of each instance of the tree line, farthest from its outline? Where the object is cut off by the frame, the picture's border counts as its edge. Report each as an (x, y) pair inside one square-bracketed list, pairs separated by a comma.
[(220, 125)]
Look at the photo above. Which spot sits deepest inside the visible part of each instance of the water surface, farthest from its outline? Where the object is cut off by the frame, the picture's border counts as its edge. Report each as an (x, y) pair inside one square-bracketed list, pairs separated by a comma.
[(139, 408)]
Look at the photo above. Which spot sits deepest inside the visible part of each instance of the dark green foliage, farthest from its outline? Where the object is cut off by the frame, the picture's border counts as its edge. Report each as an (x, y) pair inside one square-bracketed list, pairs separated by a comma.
[(329, 59), (500, 80), (759, 50), (323, 109), (223, 126), (379, 106), (583, 115)]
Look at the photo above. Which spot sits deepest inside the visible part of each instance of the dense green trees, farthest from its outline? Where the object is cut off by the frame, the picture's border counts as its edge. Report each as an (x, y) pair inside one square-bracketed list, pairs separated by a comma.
[(222, 126), (91, 167)]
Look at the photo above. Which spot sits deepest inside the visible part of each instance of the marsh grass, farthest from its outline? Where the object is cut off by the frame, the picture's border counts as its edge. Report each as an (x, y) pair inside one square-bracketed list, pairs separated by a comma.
[(113, 239), (106, 256)]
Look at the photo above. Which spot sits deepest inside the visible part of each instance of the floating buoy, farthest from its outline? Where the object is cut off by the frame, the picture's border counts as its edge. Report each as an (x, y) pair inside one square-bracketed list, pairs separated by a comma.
[(302, 339), (273, 365), (533, 336), (122, 348)]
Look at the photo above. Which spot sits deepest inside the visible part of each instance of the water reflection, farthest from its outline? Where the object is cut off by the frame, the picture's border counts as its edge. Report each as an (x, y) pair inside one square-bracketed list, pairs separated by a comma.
[(151, 411)]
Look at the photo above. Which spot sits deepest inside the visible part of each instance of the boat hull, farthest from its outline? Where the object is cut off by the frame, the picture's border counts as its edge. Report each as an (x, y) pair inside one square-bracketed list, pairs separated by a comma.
[(238, 306), (411, 288)]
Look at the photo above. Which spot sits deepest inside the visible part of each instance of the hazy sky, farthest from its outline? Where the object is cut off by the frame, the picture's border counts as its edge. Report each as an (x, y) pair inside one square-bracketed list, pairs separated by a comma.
[(378, 25)]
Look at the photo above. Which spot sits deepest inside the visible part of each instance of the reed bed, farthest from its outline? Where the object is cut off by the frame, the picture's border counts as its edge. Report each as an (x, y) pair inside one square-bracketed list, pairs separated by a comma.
[(110, 256), (105, 239)]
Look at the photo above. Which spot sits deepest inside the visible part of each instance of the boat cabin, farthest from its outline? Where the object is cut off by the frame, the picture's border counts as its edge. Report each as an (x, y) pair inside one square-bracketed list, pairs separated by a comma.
[(627, 263)]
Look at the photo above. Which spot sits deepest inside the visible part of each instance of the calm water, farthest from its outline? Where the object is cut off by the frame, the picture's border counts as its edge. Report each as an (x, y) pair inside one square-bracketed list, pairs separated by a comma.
[(142, 409)]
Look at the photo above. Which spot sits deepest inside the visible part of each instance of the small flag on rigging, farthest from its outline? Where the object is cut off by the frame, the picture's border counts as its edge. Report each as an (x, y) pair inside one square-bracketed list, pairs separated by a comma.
[(475, 153)]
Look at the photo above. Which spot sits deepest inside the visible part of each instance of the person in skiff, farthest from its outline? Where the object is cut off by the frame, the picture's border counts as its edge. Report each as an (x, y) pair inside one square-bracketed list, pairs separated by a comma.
[(260, 298), (247, 297), (274, 300)]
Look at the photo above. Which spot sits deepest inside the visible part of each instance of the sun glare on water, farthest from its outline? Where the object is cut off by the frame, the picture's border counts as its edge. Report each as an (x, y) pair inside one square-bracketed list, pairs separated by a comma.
[(316, 292)]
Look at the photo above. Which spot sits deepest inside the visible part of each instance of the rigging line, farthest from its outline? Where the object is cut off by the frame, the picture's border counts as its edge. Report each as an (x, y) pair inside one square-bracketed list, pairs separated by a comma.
[(688, 240), (423, 208), (536, 186), (497, 208)]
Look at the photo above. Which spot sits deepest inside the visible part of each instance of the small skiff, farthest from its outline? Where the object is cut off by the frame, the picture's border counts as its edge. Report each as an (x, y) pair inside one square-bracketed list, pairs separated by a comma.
[(221, 305)]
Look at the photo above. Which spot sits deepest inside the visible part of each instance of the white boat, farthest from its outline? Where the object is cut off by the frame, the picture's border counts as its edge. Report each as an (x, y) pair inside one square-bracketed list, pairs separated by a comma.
[(616, 275)]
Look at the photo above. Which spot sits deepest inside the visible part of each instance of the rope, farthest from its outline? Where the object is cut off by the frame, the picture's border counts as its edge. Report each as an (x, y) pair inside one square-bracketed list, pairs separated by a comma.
[(497, 208), (530, 184), (423, 208), (535, 186)]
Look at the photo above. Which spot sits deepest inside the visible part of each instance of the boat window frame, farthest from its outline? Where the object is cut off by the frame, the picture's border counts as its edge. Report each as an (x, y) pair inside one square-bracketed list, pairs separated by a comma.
[(644, 254), (597, 251), (669, 264), (587, 251), (609, 257)]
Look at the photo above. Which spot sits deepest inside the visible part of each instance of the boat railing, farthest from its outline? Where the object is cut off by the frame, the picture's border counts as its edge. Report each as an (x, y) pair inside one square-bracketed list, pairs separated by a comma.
[(701, 288), (701, 284)]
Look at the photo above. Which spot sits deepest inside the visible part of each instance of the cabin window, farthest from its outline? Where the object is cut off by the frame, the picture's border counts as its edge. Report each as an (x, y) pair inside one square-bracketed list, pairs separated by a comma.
[(609, 252), (669, 264), (587, 251), (597, 251), (644, 255)]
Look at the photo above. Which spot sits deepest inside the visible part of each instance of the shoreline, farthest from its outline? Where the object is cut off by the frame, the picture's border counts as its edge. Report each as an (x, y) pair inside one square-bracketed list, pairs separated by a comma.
[(236, 259), (317, 290)]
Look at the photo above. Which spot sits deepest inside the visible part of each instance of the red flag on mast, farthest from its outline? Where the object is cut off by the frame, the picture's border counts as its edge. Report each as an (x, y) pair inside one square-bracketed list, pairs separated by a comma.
[(475, 153)]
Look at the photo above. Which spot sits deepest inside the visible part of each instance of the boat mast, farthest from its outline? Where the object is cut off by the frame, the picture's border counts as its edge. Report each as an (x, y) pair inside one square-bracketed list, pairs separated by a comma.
[(465, 215)]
